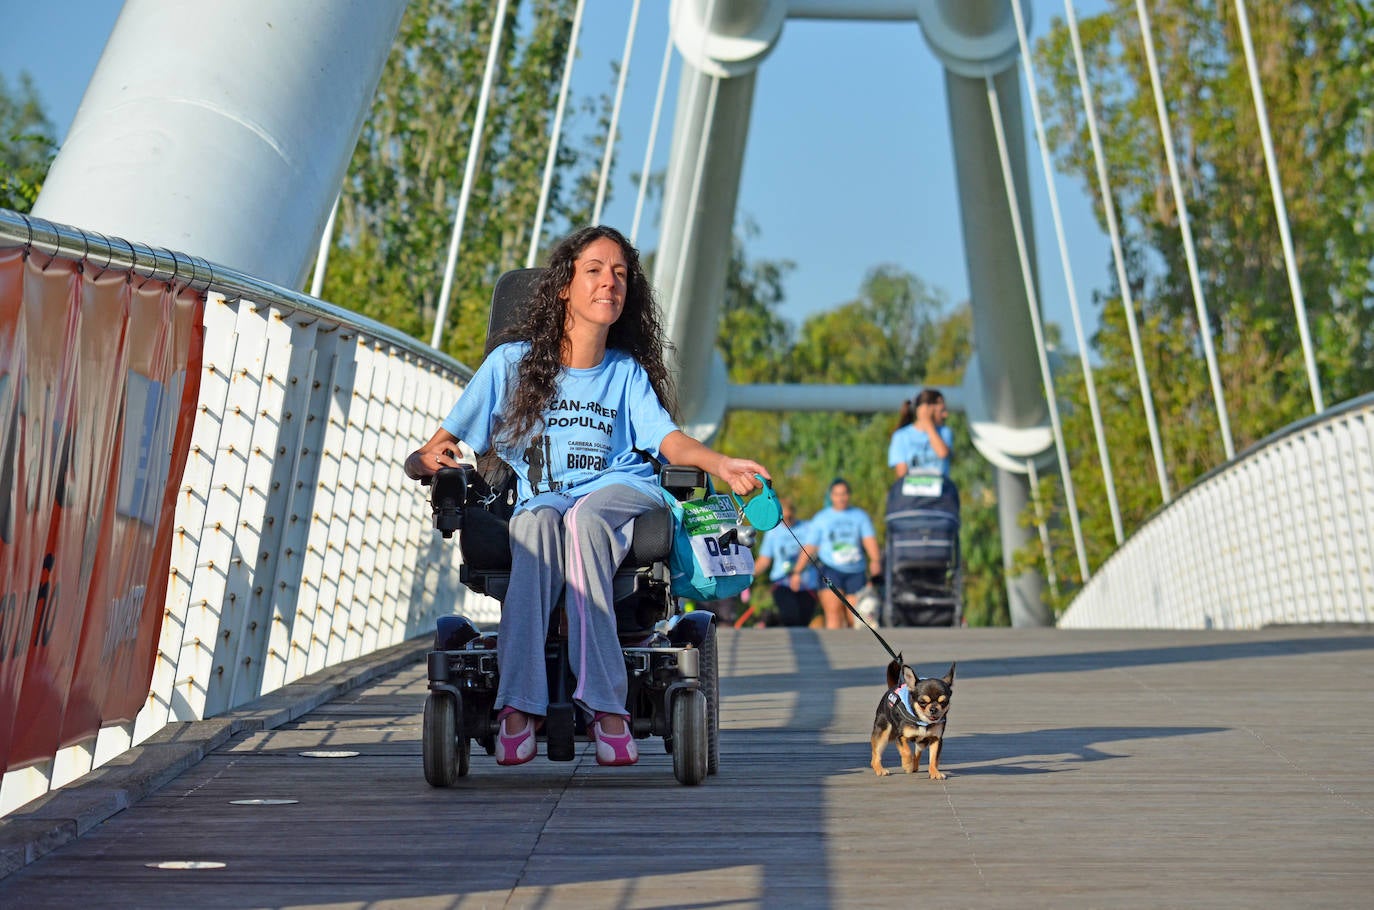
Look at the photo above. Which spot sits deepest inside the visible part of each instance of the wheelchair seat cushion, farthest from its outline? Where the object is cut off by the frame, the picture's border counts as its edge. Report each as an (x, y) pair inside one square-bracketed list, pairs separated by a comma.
[(485, 541)]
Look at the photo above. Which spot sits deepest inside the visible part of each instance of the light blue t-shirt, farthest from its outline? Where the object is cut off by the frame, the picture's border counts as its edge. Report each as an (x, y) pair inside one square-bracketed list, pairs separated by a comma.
[(838, 537), (911, 447), (783, 549), (597, 419)]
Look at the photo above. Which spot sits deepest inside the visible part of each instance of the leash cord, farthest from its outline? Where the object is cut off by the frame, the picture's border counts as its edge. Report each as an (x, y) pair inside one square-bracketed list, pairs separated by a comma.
[(840, 594)]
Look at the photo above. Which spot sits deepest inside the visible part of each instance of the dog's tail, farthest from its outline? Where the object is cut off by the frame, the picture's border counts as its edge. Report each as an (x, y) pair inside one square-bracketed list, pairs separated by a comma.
[(894, 672)]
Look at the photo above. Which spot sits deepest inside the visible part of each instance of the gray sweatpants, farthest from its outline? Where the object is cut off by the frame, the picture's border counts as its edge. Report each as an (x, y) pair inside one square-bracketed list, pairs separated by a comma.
[(571, 547)]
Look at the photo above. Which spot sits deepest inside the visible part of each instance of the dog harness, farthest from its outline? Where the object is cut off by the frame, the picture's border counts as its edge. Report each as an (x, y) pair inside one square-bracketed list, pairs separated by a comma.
[(900, 698)]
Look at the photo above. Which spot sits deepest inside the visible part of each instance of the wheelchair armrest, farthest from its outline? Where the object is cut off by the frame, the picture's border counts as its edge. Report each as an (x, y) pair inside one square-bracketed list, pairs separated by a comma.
[(653, 537), (680, 480), (448, 496)]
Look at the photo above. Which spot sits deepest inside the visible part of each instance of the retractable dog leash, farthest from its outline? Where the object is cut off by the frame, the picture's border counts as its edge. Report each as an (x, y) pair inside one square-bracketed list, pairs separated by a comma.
[(764, 512)]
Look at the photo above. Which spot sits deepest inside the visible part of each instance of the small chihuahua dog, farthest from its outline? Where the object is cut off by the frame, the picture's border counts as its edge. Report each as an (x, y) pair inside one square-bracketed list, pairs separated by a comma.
[(913, 712)]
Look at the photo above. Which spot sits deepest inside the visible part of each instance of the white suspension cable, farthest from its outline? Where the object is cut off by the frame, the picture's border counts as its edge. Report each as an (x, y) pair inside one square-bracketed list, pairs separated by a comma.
[(1118, 256), (1280, 209), (653, 132), (1104, 457), (1181, 203), (1033, 304), (322, 258), (552, 158), (1038, 505), (615, 114), (469, 172)]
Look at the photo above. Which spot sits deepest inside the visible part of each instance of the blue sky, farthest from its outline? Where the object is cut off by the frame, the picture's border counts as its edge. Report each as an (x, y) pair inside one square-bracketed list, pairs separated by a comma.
[(849, 162)]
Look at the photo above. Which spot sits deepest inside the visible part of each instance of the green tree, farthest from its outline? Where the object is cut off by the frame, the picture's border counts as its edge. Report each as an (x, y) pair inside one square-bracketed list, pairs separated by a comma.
[(1315, 70), (398, 204), (754, 340), (896, 331), (27, 145), (880, 337)]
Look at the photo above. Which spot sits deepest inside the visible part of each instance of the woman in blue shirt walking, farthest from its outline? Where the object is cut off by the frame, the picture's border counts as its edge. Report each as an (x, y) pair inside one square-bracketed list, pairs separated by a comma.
[(839, 536)]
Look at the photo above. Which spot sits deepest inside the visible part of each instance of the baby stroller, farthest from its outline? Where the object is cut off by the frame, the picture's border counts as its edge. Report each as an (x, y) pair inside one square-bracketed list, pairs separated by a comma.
[(921, 576), (670, 655)]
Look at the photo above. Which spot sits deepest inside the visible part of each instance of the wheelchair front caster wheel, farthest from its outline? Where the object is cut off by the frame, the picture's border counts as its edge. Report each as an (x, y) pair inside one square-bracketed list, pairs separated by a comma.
[(690, 737), (560, 730), (445, 744)]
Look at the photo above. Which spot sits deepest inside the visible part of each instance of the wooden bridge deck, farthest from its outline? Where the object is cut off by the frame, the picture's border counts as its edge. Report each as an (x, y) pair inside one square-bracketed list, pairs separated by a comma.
[(1086, 769)]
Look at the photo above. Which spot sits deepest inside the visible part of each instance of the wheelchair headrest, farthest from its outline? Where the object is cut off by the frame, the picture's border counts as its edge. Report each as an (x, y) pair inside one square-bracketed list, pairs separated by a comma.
[(509, 298)]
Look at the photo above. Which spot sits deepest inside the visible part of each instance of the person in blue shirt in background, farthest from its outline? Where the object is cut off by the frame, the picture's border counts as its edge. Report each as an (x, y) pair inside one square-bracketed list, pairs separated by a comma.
[(794, 597), (921, 441), (839, 536)]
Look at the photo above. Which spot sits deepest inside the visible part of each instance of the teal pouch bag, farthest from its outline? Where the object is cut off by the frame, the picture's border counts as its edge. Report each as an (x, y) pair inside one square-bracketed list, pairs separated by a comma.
[(707, 561)]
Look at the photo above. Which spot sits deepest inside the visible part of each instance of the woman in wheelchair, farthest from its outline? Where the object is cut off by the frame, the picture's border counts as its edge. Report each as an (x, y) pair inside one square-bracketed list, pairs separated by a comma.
[(571, 400)]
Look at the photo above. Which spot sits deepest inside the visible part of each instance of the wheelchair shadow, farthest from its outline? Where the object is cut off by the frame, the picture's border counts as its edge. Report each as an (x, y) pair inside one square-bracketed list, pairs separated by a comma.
[(795, 817), (935, 651), (798, 758)]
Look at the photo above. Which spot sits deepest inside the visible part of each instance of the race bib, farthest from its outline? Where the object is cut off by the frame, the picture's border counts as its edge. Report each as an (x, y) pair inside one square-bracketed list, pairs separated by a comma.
[(920, 483), (705, 521), (845, 554)]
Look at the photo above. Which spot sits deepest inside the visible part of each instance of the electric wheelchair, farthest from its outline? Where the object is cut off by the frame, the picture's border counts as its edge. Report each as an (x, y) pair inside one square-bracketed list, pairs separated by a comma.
[(670, 655)]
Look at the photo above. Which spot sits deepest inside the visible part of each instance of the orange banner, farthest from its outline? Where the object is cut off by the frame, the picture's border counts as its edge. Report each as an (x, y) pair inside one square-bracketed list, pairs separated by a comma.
[(38, 328), (109, 367), (159, 415)]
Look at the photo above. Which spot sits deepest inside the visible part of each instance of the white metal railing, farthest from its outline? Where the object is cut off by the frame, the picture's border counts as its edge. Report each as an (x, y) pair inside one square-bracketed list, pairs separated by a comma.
[(1284, 533), (299, 542)]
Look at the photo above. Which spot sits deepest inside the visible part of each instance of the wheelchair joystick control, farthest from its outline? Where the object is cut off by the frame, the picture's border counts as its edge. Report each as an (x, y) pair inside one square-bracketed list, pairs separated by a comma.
[(447, 519), (448, 495)]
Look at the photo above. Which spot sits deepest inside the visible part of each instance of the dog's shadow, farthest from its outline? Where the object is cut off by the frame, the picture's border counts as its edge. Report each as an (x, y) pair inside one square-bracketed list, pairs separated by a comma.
[(1049, 751)]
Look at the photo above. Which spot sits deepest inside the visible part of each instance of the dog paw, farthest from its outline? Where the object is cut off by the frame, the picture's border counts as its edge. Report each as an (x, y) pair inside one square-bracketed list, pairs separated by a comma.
[(881, 772), (937, 775)]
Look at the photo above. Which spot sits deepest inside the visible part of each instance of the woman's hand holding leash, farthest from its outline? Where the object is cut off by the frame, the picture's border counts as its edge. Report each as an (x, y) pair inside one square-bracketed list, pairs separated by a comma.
[(739, 474)]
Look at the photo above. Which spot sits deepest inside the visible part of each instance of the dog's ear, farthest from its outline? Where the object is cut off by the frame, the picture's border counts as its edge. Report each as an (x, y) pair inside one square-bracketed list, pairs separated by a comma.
[(949, 677), (909, 677), (894, 672)]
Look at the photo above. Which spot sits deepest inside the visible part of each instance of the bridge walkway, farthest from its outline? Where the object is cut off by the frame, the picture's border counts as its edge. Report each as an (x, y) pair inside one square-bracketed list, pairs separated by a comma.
[(1086, 769)]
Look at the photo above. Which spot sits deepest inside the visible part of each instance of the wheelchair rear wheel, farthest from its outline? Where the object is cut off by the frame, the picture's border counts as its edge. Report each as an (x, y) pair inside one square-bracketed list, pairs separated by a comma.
[(710, 684), (690, 737), (445, 745)]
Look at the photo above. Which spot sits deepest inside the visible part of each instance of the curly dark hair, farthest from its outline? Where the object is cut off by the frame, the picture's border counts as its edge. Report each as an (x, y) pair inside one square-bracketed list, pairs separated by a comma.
[(638, 332)]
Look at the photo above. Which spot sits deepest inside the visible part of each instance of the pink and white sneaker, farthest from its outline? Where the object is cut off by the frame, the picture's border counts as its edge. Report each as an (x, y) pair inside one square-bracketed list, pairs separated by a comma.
[(515, 748), (614, 749)]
